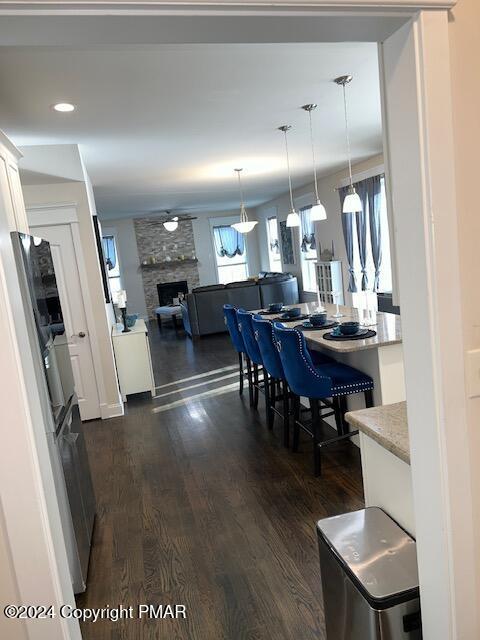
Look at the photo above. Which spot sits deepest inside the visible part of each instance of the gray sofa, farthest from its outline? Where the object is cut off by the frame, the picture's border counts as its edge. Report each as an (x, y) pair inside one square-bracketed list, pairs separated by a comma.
[(202, 309)]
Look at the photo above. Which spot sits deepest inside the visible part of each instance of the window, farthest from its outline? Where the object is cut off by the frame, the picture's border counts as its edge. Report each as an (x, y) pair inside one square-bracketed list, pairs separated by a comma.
[(230, 253), (274, 259), (385, 279), (113, 267), (308, 250)]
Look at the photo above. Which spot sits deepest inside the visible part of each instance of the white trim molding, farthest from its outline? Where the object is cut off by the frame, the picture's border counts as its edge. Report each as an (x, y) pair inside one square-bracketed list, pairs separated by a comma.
[(217, 7), (52, 214), (111, 410), (415, 79), (8, 145), (55, 205)]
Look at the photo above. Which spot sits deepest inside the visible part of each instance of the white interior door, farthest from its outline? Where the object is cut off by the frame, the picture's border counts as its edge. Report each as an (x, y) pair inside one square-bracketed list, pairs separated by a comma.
[(71, 298)]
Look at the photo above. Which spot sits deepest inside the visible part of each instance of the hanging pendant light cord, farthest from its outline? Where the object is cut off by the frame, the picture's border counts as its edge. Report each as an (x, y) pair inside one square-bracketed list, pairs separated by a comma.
[(242, 203), (347, 135), (288, 169), (313, 157)]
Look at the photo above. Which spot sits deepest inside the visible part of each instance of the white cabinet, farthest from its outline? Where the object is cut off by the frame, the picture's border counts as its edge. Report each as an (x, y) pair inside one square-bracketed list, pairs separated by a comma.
[(11, 197), (133, 359), (329, 281)]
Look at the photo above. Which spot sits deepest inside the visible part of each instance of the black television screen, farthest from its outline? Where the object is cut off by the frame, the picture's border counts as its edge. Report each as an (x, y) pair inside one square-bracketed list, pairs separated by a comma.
[(101, 257)]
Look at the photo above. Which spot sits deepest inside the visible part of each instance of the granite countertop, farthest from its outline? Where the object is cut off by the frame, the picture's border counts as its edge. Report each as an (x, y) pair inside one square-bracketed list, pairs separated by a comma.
[(387, 425), (388, 328)]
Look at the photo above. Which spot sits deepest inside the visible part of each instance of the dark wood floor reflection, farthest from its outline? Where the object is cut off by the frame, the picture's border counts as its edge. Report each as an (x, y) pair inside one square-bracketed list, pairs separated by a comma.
[(198, 504)]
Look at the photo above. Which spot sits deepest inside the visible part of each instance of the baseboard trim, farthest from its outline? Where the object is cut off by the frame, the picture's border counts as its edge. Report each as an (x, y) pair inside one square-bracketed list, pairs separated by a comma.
[(111, 410)]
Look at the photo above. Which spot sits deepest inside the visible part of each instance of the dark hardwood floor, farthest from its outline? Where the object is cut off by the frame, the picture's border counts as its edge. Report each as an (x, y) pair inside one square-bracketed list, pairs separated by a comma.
[(199, 504)]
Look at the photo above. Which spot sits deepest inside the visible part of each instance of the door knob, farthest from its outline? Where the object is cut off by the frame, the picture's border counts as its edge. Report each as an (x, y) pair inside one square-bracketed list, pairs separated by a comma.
[(81, 334)]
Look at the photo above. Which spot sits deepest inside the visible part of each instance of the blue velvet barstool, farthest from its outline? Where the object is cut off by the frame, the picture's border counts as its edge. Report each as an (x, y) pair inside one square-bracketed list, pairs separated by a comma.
[(273, 374), (230, 316), (245, 326), (328, 384)]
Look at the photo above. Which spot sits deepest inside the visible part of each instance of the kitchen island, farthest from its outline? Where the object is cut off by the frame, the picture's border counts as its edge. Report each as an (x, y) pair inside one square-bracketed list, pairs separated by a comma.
[(385, 451), (383, 430)]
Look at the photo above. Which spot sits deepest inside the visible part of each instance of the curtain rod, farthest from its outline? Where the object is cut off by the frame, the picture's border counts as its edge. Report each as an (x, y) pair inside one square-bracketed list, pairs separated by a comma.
[(381, 175)]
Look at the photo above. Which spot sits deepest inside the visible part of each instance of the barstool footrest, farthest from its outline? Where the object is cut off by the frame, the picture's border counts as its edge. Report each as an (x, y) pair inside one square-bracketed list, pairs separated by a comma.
[(304, 426), (345, 436), (339, 438), (277, 411)]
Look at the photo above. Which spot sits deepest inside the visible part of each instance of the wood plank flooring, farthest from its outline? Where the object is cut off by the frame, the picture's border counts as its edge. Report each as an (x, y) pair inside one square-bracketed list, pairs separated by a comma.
[(201, 505)]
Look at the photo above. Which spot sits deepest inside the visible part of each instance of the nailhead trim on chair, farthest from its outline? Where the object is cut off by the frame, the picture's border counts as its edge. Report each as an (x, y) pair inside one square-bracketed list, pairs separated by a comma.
[(346, 389), (300, 345), (274, 340)]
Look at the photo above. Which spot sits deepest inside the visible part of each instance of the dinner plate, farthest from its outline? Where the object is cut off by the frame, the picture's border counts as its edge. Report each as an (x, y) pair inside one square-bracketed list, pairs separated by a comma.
[(361, 332), (266, 312), (287, 318), (317, 327)]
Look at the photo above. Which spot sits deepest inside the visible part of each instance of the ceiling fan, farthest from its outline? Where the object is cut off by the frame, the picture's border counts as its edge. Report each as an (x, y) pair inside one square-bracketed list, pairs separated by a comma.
[(171, 220)]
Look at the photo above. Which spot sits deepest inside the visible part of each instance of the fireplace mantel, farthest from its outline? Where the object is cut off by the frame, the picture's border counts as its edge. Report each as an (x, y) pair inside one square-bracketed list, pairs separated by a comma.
[(166, 264)]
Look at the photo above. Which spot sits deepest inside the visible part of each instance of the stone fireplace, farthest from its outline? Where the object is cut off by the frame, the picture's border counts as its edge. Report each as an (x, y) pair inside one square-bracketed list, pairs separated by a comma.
[(167, 291), (165, 256)]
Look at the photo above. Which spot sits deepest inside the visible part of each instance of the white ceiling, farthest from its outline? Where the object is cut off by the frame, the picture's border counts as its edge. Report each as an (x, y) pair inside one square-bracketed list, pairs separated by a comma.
[(163, 126)]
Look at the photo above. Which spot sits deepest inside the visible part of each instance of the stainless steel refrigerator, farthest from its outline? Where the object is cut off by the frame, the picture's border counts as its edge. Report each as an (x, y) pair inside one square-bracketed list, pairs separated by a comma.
[(64, 433)]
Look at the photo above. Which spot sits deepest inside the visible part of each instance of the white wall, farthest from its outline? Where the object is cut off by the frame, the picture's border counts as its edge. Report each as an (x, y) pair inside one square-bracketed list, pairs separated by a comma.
[(124, 231), (202, 234), (8, 588), (46, 163), (422, 149), (464, 35), (328, 230)]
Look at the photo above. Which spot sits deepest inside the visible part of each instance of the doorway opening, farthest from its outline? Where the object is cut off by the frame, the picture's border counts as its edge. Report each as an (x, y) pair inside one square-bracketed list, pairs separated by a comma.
[(420, 183)]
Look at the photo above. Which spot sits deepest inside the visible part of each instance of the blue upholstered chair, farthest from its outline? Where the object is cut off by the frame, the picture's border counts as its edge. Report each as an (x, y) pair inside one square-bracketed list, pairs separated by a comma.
[(274, 374), (230, 316), (245, 326), (328, 384)]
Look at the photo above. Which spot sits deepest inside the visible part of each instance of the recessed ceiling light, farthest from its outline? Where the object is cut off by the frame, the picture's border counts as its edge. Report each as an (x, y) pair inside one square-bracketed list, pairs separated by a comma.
[(63, 107)]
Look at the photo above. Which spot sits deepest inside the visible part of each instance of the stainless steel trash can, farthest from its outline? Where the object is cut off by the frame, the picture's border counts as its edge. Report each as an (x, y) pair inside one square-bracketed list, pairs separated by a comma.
[(369, 578)]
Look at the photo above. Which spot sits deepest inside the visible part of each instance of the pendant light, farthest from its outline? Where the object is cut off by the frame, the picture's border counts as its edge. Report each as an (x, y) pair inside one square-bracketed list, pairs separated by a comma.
[(318, 211), (293, 219), (352, 202), (245, 225)]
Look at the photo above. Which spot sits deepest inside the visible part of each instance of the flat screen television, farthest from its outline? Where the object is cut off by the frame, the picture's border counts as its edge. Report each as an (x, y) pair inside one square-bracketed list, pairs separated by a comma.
[(101, 257)]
